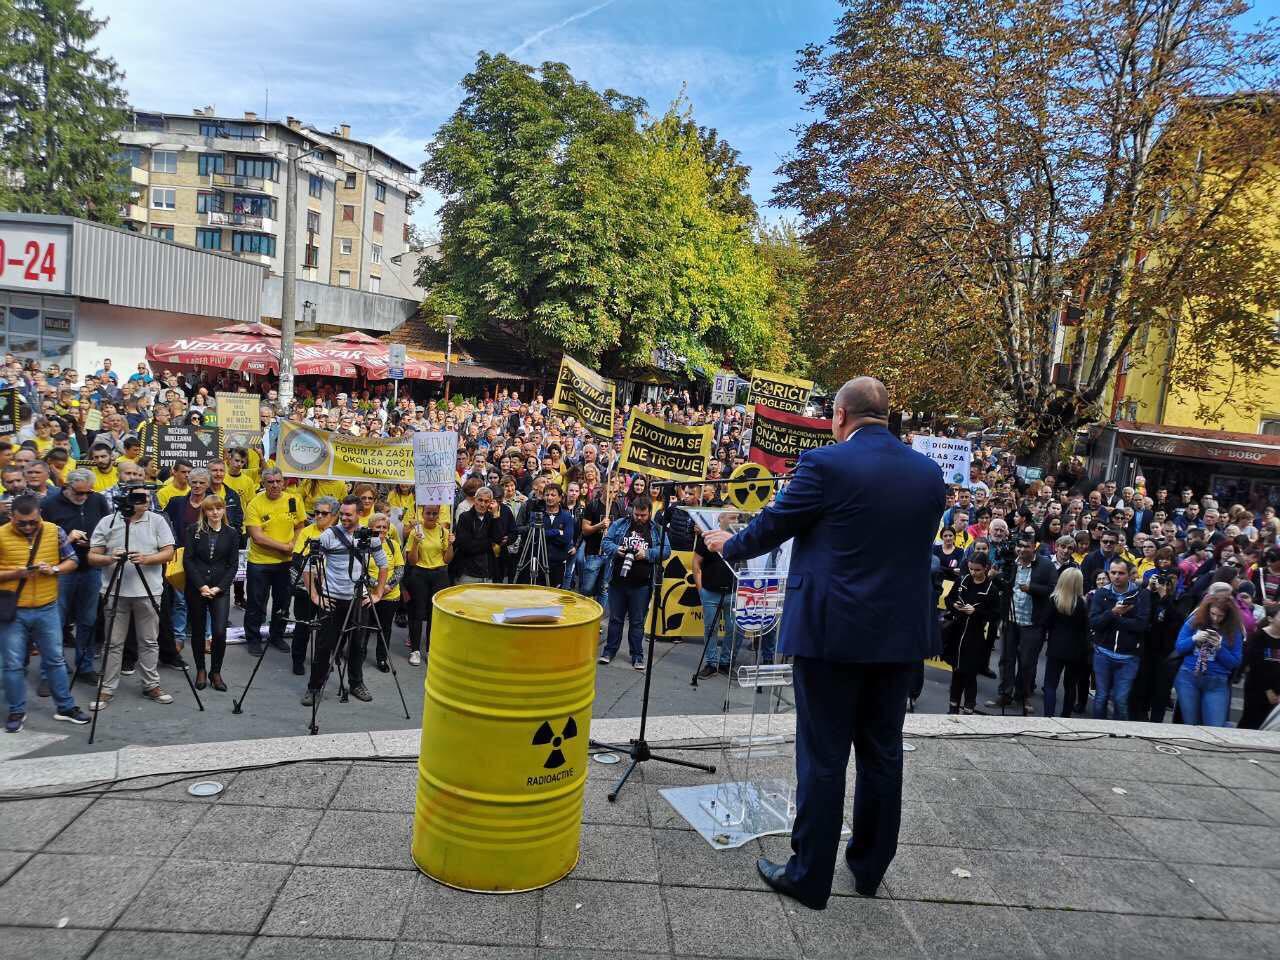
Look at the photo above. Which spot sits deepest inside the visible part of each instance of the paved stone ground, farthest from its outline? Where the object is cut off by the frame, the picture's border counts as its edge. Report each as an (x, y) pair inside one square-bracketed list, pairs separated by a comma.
[(1100, 848)]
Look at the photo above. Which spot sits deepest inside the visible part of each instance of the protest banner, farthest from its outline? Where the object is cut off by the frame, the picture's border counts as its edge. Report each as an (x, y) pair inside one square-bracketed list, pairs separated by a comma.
[(778, 438), (679, 603), (321, 455), (10, 411), (435, 460), (779, 391), (666, 450), (238, 420), (585, 394), (952, 455), (171, 444)]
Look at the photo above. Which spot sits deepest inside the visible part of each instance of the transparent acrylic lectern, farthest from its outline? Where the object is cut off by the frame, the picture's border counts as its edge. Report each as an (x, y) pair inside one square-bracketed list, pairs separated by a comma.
[(758, 795)]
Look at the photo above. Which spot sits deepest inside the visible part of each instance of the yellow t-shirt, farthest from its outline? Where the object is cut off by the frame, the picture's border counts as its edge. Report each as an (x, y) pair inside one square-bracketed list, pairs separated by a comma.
[(306, 535), (406, 501), (244, 485), (168, 491), (395, 558), (313, 490), (428, 552), (104, 481), (276, 520), (43, 445)]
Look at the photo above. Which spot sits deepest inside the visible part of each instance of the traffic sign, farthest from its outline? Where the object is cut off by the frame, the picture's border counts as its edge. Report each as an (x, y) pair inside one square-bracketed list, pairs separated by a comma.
[(396, 356)]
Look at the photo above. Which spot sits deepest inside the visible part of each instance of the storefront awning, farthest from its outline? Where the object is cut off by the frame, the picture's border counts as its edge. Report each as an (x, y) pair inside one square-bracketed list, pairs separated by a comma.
[(1192, 443)]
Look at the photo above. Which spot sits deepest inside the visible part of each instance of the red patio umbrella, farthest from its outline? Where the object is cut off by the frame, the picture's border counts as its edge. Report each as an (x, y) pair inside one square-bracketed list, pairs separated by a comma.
[(371, 355), (258, 354)]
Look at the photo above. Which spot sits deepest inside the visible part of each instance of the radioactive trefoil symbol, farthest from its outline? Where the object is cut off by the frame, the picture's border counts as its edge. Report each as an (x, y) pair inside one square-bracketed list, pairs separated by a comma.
[(547, 735)]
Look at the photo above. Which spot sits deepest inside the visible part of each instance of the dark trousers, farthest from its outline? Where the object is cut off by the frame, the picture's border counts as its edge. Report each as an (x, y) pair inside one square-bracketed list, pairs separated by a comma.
[(964, 689), (303, 609), (839, 705), (423, 584), (348, 643), (215, 609), (266, 580), (386, 620), (1149, 698), (629, 602), (1073, 674), (1030, 643)]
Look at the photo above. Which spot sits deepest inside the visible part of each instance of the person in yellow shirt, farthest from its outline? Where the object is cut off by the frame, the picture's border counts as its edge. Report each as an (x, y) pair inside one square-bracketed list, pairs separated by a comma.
[(380, 525), (313, 490), (43, 435), (272, 520), (177, 485), (244, 482), (105, 475), (368, 497), (428, 551), (402, 496), (325, 513)]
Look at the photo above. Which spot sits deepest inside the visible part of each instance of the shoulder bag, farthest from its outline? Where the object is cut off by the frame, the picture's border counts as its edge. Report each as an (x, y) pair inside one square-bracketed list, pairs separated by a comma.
[(9, 598)]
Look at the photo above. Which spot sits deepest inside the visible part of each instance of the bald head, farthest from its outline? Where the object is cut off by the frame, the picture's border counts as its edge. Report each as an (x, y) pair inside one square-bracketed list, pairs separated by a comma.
[(861, 401)]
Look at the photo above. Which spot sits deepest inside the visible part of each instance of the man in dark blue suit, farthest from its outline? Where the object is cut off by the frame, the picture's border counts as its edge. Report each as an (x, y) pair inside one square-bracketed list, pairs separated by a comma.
[(857, 619)]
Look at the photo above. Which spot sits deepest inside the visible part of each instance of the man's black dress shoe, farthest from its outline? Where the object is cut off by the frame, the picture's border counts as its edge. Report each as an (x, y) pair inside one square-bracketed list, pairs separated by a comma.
[(775, 875), (858, 888)]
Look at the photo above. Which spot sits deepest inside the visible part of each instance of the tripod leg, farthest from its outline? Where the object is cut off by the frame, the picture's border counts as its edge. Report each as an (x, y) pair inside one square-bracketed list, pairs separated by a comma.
[(186, 671), (377, 623), (237, 704), (706, 644), (113, 586), (617, 789)]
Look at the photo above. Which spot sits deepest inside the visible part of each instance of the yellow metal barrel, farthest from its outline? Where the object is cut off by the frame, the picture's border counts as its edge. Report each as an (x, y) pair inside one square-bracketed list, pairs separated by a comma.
[(503, 760)]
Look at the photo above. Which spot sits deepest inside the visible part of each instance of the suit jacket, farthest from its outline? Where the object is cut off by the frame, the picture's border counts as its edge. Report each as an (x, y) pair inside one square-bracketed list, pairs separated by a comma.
[(1044, 577), (1141, 522), (863, 514)]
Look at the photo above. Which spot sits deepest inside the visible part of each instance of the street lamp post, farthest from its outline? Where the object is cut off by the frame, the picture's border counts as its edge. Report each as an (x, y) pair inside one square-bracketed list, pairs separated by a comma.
[(450, 321)]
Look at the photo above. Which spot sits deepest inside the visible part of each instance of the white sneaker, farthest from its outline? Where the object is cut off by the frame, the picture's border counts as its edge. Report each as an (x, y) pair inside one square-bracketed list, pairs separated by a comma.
[(415, 659), (603, 659)]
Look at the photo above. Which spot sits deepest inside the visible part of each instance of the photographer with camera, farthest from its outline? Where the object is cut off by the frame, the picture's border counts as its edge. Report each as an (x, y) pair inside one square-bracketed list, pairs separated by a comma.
[(345, 549), (1149, 698), (33, 554), (632, 544), (325, 516), (140, 577)]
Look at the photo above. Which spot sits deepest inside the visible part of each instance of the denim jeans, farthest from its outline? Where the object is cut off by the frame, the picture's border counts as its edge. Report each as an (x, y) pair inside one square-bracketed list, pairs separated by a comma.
[(263, 580), (43, 626), (1114, 680), (1204, 698), (572, 568), (78, 603), (628, 602), (591, 575), (724, 645), (181, 631)]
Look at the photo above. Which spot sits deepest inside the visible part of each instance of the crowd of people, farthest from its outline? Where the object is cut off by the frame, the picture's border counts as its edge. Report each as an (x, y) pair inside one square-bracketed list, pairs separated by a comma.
[(135, 564)]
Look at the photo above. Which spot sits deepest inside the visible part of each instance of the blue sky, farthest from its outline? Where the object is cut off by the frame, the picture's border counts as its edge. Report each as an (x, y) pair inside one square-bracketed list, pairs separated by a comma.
[(391, 68)]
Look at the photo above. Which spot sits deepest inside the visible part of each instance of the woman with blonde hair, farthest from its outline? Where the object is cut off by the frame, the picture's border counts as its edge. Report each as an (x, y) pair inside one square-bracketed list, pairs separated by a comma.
[(1067, 627), (210, 561)]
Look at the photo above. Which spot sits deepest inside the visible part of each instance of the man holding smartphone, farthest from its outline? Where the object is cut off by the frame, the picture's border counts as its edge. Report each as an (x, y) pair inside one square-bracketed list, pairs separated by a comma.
[(1119, 617)]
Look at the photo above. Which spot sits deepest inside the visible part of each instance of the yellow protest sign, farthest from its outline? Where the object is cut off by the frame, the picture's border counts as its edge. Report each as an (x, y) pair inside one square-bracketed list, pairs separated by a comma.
[(587, 395), (680, 605), (780, 391), (238, 419), (321, 455), (666, 450)]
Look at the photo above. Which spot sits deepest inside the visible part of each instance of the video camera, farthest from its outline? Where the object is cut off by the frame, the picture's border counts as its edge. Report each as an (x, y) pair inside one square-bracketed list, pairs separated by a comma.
[(132, 495), (363, 537), (538, 518)]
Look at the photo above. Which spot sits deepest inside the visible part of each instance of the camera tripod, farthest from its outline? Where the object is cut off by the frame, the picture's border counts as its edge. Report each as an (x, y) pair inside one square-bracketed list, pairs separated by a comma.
[(532, 561), (352, 636), (111, 603)]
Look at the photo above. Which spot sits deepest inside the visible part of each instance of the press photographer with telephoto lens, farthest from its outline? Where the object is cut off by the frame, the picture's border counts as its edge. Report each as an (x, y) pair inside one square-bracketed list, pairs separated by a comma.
[(632, 544)]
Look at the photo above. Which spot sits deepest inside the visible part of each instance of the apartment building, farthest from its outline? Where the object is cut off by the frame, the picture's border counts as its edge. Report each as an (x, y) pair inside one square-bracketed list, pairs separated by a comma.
[(218, 183)]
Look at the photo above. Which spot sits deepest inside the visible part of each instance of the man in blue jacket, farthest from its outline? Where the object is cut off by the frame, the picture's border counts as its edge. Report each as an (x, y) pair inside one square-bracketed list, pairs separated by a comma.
[(1119, 617), (858, 618), (633, 544)]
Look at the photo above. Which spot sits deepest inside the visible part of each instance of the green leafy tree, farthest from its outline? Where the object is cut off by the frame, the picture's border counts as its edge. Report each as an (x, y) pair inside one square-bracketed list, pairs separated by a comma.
[(60, 107)]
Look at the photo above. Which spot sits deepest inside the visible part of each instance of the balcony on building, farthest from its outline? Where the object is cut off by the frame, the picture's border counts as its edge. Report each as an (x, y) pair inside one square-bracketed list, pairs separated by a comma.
[(228, 180), (244, 221)]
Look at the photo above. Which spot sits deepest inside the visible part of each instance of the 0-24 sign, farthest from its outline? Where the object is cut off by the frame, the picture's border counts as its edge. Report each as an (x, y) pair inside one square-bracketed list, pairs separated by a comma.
[(33, 256)]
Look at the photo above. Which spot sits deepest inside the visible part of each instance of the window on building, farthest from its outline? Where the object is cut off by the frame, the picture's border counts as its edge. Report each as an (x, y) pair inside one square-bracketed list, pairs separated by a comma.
[(164, 161), (313, 221), (406, 234), (344, 278), (221, 128), (161, 233), (164, 198), (351, 181), (344, 247), (315, 186), (1270, 428), (208, 163), (379, 190), (348, 212), (129, 157), (254, 243), (208, 203), (375, 284), (252, 206), (256, 167), (208, 239), (408, 203), (311, 256), (378, 221), (375, 253)]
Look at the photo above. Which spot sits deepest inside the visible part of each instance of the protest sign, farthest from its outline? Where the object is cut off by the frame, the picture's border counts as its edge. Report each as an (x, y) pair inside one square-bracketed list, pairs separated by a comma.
[(435, 460), (780, 391), (238, 419), (585, 394), (952, 455), (321, 455), (666, 450), (10, 411), (171, 444), (778, 438)]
